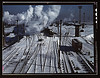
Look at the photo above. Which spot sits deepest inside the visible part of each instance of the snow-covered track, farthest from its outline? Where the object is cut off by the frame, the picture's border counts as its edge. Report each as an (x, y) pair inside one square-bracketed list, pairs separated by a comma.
[(74, 58), (42, 57)]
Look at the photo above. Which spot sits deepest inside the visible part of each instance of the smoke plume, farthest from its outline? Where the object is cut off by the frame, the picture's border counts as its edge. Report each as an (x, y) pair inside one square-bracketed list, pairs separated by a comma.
[(35, 18)]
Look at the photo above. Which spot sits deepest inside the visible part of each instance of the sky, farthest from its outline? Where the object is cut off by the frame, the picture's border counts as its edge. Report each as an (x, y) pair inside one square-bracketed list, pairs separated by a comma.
[(69, 12)]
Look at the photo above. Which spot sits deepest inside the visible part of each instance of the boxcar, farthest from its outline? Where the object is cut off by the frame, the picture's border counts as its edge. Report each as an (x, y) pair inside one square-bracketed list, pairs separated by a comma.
[(77, 45)]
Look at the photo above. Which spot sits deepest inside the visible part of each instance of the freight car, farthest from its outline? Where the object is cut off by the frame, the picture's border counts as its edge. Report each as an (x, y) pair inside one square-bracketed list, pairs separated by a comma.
[(77, 45)]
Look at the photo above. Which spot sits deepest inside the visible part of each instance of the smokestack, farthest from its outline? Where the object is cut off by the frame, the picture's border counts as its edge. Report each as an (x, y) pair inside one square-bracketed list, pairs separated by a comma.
[(80, 7)]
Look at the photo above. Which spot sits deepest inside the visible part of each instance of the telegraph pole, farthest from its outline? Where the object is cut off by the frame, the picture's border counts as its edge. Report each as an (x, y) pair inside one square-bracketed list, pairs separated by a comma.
[(3, 33), (58, 27), (60, 31), (80, 7), (59, 46), (83, 20), (84, 17), (17, 31), (23, 29)]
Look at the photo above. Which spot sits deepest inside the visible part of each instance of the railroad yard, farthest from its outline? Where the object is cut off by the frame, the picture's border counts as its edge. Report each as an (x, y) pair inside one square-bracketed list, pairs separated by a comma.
[(48, 39), (31, 55)]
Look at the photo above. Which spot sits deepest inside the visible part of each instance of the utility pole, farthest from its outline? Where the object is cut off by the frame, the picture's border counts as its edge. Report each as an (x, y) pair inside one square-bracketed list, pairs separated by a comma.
[(3, 34), (58, 27), (59, 46), (80, 7), (83, 20), (84, 17), (23, 29), (17, 31), (60, 31)]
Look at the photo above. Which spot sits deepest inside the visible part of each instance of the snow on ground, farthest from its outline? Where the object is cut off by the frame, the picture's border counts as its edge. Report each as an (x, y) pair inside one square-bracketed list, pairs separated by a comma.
[(88, 29), (47, 43), (89, 38), (87, 48), (87, 35), (8, 30), (11, 35), (70, 30), (41, 52)]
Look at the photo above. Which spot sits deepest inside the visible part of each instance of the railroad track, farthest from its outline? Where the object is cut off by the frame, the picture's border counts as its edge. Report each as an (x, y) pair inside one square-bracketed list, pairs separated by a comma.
[(6, 53), (66, 65), (46, 55), (32, 58), (40, 62), (55, 55), (68, 61), (18, 55), (26, 56)]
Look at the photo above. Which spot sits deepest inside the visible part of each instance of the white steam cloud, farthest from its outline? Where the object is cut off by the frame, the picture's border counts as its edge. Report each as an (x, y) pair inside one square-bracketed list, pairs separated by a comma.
[(53, 12), (34, 18), (71, 18), (10, 19)]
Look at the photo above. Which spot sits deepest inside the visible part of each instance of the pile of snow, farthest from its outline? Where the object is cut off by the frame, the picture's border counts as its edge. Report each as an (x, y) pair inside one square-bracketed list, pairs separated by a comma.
[(35, 19), (90, 38), (8, 30), (89, 29), (11, 35), (79, 39)]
